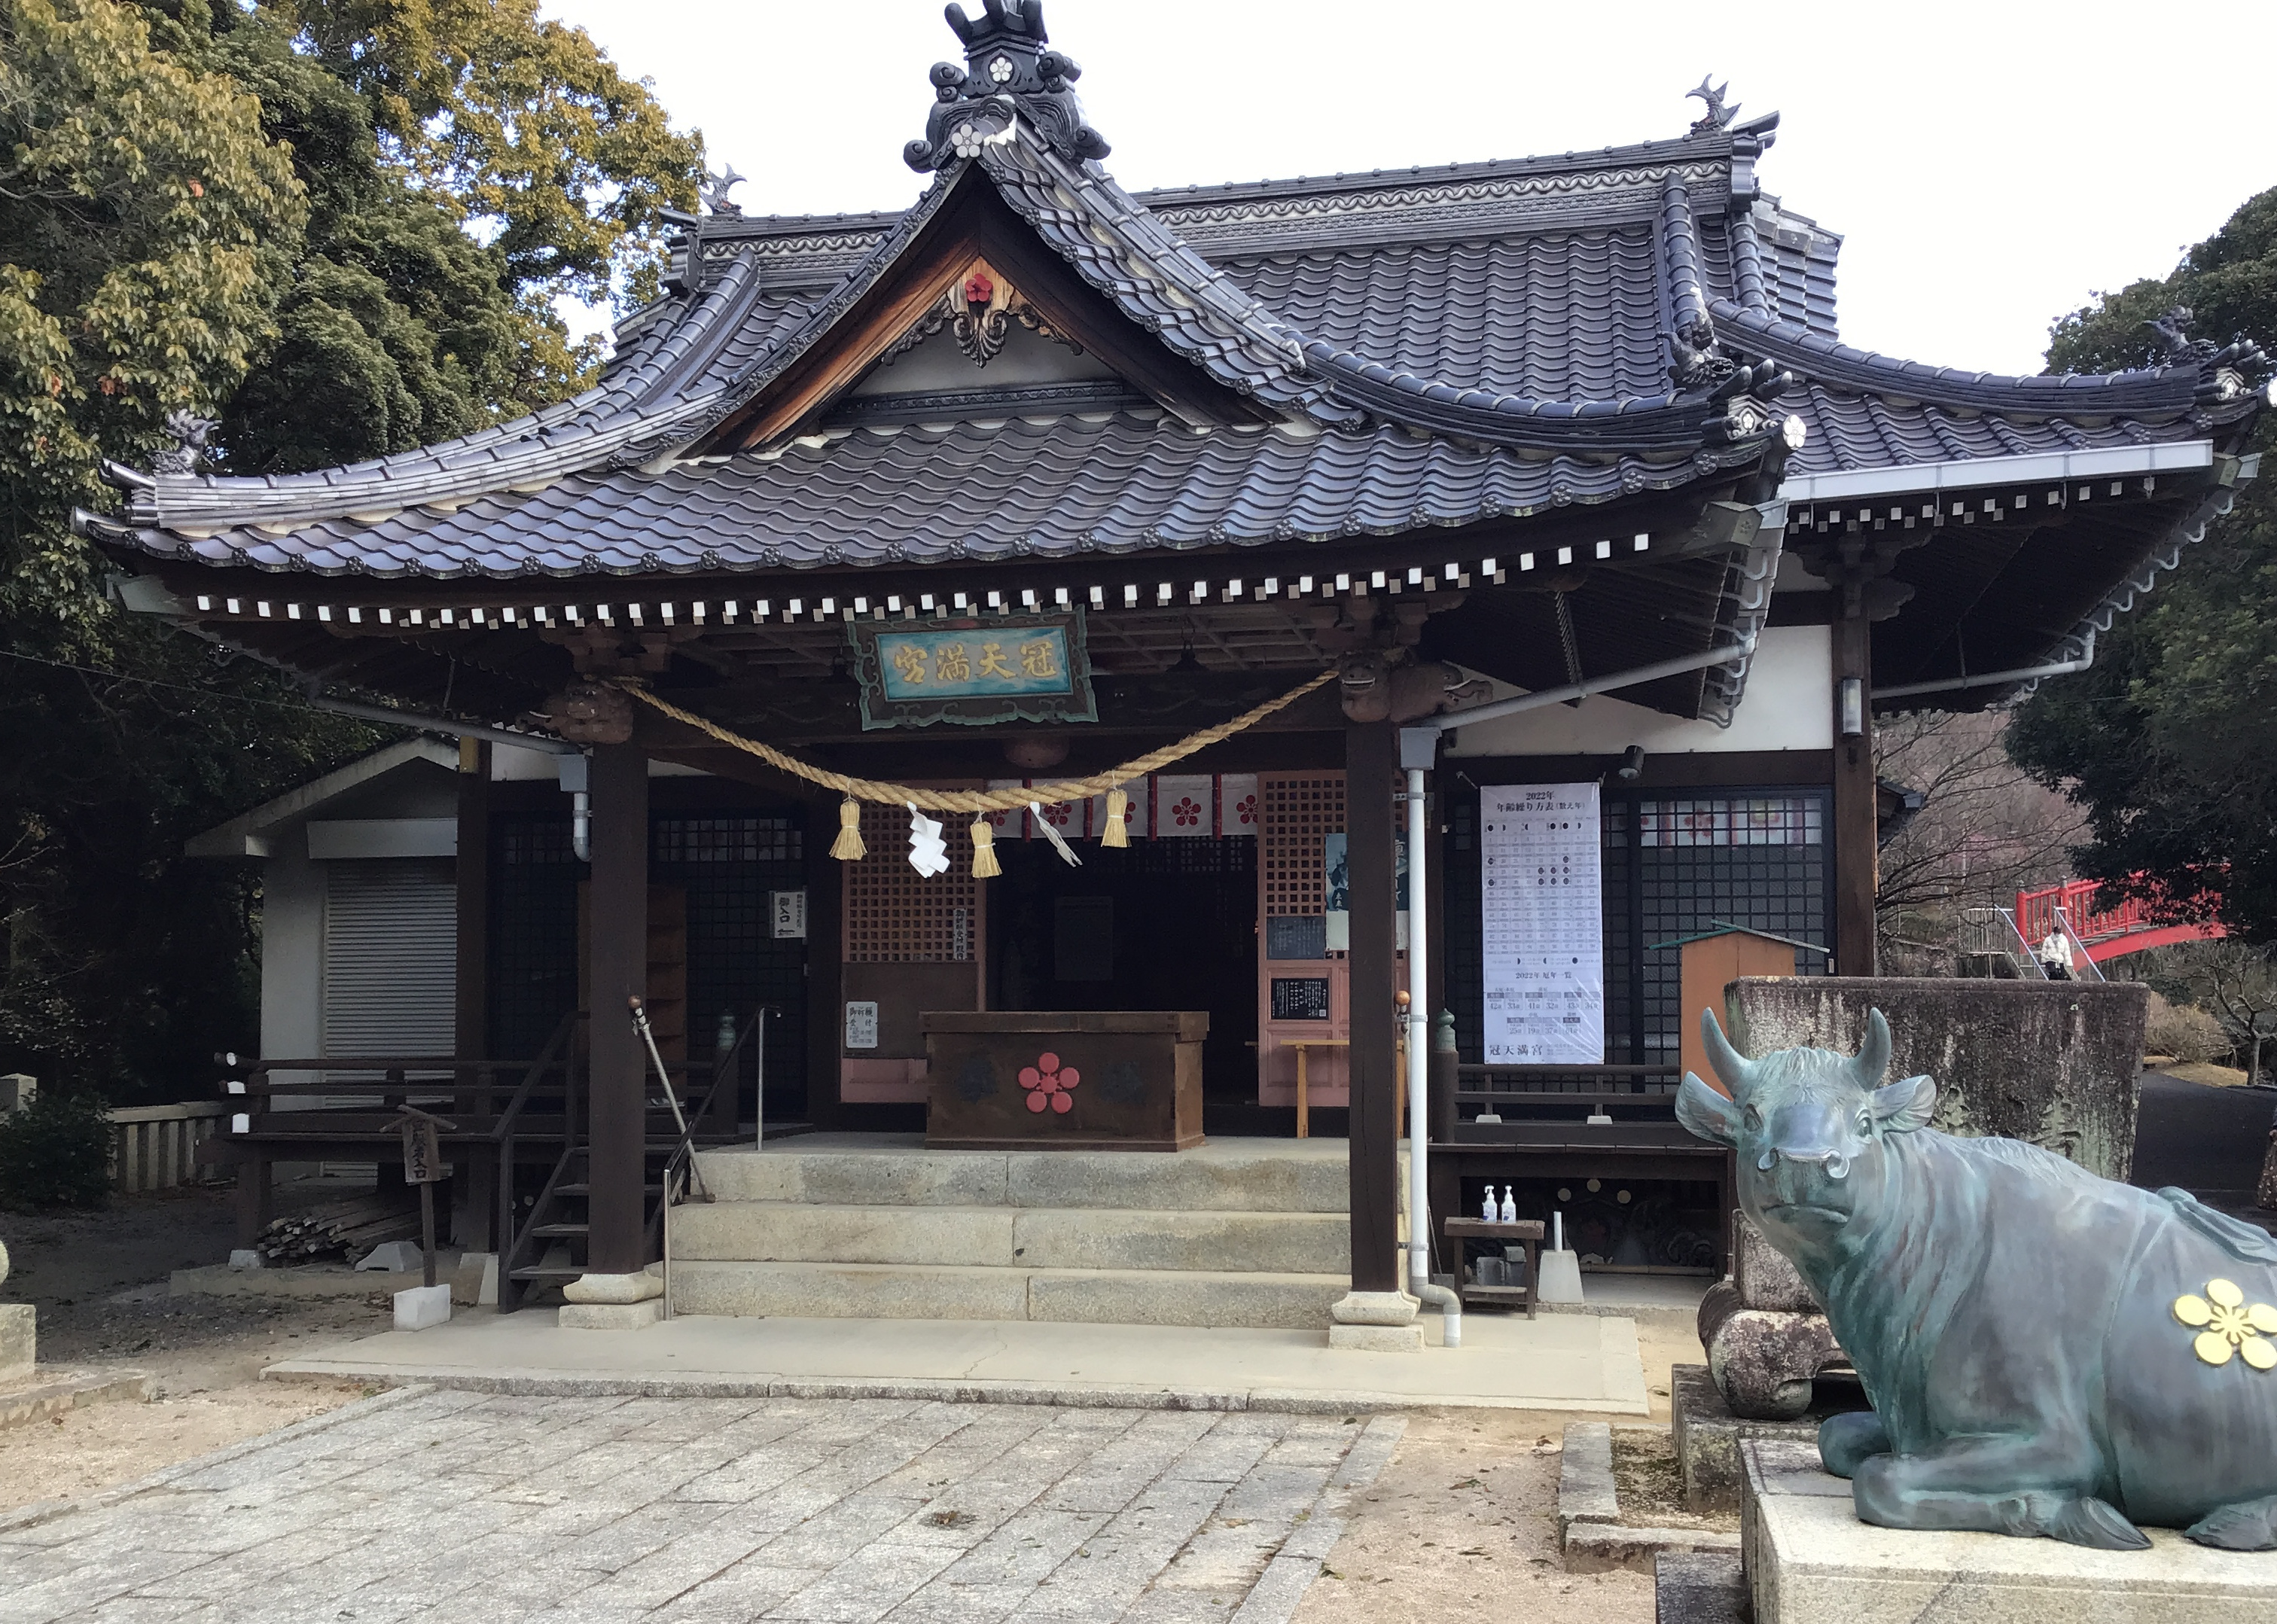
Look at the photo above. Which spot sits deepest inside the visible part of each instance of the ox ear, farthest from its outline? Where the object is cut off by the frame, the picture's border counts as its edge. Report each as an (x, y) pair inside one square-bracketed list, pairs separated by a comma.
[(1905, 1105), (1707, 1114)]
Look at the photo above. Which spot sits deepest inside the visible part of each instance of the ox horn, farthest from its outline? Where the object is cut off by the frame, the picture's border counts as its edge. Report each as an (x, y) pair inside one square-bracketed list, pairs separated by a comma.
[(1735, 1068), (1873, 1061)]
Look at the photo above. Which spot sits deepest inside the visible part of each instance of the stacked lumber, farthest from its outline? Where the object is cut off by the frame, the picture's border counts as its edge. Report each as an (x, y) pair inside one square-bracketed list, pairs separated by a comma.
[(342, 1229)]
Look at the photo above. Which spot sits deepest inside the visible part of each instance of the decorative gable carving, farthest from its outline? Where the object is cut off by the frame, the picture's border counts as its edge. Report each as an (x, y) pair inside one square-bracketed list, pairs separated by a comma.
[(979, 310)]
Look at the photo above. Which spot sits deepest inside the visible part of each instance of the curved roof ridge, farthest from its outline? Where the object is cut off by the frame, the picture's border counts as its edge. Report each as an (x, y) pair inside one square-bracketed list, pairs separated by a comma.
[(2165, 390)]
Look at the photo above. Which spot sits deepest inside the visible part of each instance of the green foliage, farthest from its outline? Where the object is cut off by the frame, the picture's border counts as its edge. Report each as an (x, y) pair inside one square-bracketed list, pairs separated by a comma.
[(55, 1153), (2170, 743), (339, 229)]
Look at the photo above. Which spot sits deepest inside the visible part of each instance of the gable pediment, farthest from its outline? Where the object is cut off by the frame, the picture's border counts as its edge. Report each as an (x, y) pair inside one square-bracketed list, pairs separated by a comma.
[(984, 336)]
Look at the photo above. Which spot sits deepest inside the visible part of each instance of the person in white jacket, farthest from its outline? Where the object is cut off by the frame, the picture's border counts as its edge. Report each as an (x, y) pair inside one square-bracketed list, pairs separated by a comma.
[(2055, 954)]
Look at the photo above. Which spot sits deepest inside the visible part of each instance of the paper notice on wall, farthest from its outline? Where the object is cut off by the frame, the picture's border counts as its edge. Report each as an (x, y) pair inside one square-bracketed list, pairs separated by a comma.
[(1336, 892), (1543, 912)]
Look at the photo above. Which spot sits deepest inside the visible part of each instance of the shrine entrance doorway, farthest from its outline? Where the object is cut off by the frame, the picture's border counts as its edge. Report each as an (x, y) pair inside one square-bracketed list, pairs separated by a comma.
[(1157, 925)]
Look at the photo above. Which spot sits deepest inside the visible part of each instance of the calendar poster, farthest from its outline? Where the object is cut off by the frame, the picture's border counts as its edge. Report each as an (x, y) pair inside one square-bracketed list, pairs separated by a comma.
[(1544, 923)]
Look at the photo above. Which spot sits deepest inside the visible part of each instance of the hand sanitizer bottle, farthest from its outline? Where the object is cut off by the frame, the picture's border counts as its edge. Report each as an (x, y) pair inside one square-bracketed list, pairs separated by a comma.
[(1509, 1207), (1487, 1206)]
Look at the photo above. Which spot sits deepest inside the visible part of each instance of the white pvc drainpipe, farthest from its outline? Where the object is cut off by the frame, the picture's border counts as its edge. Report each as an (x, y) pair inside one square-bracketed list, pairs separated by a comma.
[(1419, 744), (1450, 1304)]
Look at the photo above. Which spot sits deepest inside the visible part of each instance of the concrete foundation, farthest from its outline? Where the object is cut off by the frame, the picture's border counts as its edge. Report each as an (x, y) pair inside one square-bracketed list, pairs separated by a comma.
[(1707, 1435), (2055, 1064), (1809, 1558), (18, 1341)]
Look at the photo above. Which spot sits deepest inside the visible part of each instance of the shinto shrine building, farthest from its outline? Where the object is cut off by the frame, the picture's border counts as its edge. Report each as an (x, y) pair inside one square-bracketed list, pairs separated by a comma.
[(1549, 478)]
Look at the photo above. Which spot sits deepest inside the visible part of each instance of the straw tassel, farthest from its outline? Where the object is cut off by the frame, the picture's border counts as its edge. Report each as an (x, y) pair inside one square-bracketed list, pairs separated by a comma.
[(1118, 804), (848, 848), (984, 865)]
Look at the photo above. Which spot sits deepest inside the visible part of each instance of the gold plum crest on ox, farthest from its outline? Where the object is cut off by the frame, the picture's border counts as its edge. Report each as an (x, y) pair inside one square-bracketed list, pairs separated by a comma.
[(2228, 1326)]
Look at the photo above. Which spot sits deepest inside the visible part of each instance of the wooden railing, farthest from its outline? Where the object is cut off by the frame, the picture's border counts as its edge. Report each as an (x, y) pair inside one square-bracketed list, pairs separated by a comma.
[(156, 1147)]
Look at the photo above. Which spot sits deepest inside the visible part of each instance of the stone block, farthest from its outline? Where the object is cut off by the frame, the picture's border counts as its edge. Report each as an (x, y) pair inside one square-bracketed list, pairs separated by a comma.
[(1763, 1359), (1261, 1242), (17, 1092), (792, 1232), (1700, 1588), (393, 1257), (2057, 1063), (1585, 1491), (608, 1315), (1766, 1279), (419, 1308), (475, 1282), (1708, 1437), (243, 1258), (849, 1290), (1809, 1558), (18, 1340), (1169, 1297), (1377, 1338)]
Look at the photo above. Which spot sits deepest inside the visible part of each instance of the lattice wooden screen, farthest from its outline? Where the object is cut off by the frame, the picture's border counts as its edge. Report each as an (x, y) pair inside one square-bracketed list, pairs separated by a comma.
[(896, 915), (1295, 810)]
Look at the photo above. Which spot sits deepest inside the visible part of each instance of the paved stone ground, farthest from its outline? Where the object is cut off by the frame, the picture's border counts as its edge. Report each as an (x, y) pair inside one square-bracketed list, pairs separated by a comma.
[(423, 1504)]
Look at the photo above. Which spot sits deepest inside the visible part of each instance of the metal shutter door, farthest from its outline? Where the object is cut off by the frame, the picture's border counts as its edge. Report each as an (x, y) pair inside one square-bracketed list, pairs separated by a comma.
[(391, 958)]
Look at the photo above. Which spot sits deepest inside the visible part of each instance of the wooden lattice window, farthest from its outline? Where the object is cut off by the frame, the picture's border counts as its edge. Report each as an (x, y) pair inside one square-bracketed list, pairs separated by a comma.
[(896, 915), (1295, 810)]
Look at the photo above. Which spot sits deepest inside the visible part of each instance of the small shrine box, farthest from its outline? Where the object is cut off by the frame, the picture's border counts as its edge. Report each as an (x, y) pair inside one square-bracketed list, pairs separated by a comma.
[(1030, 1080), (1713, 960)]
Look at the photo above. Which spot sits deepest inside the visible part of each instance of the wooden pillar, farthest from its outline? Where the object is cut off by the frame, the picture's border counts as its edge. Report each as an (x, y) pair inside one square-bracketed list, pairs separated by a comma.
[(617, 1244), (1371, 757), (1855, 832), (825, 937), (473, 1194)]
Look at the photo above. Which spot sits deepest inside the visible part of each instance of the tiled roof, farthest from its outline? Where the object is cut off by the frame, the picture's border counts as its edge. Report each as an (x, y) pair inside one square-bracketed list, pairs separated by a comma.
[(1433, 314), (1103, 483)]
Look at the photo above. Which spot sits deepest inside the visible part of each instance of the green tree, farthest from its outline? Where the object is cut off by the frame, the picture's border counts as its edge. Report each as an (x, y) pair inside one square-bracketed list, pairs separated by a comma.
[(2170, 743), (235, 211)]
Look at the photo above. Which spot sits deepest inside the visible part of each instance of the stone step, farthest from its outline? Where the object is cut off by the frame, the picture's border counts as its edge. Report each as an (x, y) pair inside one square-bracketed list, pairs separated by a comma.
[(1087, 1296), (1013, 1237), (1230, 1175)]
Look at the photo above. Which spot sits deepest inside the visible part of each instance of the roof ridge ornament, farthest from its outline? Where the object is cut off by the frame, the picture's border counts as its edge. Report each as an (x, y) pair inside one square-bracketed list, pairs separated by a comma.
[(191, 434), (1718, 116), (715, 188), (2225, 373), (1007, 71)]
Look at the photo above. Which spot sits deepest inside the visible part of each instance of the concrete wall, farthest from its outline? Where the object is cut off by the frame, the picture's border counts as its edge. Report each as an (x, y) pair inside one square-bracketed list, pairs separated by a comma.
[(2055, 1064), (1788, 706)]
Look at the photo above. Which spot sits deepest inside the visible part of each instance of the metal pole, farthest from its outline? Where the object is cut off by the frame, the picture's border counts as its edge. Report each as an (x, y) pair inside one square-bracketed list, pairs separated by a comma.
[(1419, 1121), (760, 1099), (648, 1036)]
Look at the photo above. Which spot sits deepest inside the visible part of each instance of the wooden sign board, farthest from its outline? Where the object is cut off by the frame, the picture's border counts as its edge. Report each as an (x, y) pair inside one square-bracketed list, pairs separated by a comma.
[(1082, 1080), (1300, 998), (422, 1152), (973, 672)]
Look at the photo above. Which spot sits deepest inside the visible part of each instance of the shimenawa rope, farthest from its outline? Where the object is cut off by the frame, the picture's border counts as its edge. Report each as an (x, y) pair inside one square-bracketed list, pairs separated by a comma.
[(849, 846)]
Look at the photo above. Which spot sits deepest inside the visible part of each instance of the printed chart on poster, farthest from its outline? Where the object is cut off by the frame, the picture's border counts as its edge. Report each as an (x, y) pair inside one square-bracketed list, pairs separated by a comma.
[(1544, 922)]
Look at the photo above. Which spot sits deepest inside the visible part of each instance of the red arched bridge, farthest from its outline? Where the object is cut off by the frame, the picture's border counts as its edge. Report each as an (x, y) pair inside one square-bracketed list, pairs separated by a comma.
[(2128, 924)]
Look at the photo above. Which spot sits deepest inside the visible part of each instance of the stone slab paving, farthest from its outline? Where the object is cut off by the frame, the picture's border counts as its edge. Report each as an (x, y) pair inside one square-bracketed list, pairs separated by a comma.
[(426, 1504)]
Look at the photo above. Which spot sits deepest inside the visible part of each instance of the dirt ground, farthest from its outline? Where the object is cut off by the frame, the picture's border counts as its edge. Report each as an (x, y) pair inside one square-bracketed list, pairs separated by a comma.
[(1462, 1524), (99, 1282)]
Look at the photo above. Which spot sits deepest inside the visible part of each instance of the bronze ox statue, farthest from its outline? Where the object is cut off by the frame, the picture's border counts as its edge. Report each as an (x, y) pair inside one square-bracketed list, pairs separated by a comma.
[(2046, 1352)]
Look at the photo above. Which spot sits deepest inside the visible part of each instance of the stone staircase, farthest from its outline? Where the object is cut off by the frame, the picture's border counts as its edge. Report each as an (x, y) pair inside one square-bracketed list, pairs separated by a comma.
[(1236, 1232)]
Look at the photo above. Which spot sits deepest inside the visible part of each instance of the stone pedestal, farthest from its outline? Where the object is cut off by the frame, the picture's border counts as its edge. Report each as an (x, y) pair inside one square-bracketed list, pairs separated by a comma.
[(18, 1341), (1809, 1558), (1767, 1341), (613, 1302), (1375, 1322), (1707, 1435)]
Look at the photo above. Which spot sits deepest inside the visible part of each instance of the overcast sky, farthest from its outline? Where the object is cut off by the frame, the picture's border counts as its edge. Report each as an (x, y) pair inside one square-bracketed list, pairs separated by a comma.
[(1989, 164)]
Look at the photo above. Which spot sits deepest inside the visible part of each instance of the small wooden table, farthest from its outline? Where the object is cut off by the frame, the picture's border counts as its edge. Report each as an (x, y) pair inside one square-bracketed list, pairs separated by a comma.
[(1526, 1231)]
